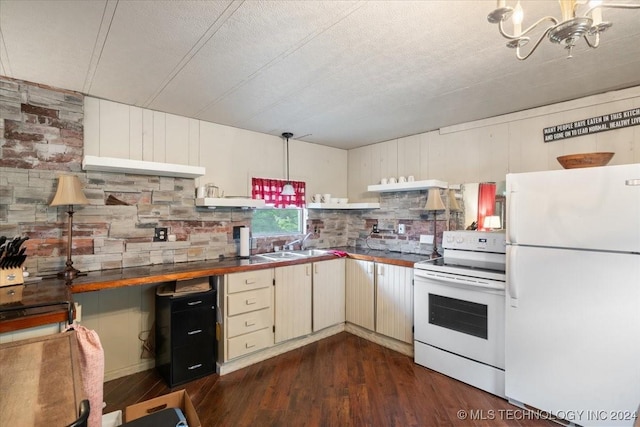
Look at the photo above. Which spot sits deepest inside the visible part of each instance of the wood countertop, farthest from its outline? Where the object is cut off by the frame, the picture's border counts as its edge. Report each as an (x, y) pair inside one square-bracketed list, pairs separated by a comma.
[(42, 303), (49, 291), (134, 276)]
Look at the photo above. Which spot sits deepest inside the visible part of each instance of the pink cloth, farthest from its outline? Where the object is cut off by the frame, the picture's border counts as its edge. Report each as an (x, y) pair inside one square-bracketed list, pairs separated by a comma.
[(340, 254), (91, 357)]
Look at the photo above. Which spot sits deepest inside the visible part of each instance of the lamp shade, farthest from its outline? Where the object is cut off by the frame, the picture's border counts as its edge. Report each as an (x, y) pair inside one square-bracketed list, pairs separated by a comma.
[(491, 222), (453, 203), (69, 192), (434, 201), (288, 190)]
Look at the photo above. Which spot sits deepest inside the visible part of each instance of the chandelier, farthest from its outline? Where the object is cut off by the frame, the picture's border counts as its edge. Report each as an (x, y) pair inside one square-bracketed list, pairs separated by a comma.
[(566, 31)]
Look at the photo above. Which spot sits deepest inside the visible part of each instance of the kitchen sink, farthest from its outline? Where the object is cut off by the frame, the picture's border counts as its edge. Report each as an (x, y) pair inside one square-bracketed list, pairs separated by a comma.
[(311, 252), (280, 256), (291, 255)]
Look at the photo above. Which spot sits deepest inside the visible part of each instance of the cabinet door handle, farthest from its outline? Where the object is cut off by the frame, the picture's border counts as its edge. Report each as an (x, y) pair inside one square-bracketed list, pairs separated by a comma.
[(195, 302), (315, 267), (250, 344), (380, 270), (250, 322), (250, 301), (250, 281), (307, 270), (199, 365), (194, 332)]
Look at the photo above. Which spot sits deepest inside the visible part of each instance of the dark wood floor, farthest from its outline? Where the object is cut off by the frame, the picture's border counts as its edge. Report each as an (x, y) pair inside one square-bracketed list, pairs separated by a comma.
[(342, 380)]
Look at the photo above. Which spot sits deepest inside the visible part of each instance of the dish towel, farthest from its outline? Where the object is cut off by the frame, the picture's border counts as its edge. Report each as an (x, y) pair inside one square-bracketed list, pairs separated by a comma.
[(340, 254), (91, 355)]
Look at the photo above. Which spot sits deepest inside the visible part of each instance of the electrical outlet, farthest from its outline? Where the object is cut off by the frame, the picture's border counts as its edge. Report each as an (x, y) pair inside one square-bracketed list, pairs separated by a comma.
[(375, 228), (401, 229), (160, 234)]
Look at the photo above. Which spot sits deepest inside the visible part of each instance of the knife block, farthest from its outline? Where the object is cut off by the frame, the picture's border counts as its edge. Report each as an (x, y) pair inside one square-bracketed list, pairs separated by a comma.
[(11, 285)]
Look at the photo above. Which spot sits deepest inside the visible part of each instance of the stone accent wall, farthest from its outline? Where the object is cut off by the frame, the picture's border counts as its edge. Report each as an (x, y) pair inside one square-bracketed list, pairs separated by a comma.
[(113, 236), (41, 127), (353, 228)]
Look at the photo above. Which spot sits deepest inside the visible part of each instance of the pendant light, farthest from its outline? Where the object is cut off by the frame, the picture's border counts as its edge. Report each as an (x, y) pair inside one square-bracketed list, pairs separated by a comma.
[(288, 190)]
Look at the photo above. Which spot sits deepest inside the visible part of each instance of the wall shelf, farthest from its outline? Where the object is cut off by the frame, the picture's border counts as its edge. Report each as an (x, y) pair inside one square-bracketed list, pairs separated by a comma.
[(229, 202), (140, 167), (407, 186), (343, 205)]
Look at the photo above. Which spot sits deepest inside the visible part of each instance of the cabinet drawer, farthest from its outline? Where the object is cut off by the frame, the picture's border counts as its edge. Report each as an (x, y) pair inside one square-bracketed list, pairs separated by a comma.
[(244, 302), (192, 362), (193, 326), (248, 280), (249, 322), (245, 344), (198, 300)]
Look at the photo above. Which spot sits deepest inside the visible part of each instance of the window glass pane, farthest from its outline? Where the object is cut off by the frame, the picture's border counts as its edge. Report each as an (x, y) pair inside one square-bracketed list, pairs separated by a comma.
[(276, 221)]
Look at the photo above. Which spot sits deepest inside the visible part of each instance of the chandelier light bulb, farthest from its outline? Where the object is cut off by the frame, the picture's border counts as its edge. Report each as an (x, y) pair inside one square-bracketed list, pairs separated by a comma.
[(518, 16), (596, 15)]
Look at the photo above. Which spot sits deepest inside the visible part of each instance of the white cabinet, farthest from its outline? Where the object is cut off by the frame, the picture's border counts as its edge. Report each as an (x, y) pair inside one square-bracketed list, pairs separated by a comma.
[(394, 302), (328, 293), (379, 297), (292, 301), (248, 312), (360, 293)]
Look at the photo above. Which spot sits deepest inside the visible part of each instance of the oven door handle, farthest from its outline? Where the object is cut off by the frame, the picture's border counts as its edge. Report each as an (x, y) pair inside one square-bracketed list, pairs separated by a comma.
[(458, 280)]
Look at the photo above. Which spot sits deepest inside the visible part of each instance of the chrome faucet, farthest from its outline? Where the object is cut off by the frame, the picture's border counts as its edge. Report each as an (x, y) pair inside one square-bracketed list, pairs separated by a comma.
[(289, 246)]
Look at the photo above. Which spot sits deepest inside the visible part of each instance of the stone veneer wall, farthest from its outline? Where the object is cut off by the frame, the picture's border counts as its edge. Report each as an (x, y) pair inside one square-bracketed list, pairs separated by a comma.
[(353, 228), (41, 137)]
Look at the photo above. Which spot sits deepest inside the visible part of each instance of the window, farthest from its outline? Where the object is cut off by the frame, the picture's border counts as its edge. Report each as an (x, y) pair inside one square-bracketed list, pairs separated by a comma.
[(267, 222)]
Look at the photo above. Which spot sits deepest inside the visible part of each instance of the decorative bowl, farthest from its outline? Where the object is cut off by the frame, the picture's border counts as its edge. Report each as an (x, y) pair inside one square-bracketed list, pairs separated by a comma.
[(585, 160)]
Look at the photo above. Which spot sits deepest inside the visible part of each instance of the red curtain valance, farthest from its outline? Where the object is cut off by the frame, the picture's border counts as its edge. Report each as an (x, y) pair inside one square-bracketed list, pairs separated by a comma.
[(269, 190)]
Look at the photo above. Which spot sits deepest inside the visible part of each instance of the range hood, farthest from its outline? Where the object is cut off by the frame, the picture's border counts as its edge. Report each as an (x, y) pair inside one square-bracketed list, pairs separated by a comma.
[(140, 167)]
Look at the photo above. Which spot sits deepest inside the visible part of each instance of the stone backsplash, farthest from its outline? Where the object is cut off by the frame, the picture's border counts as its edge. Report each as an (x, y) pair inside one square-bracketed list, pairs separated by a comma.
[(354, 228)]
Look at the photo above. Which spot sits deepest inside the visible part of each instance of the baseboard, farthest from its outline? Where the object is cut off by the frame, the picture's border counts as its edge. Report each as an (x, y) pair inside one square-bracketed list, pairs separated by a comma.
[(393, 344), (143, 365), (267, 353)]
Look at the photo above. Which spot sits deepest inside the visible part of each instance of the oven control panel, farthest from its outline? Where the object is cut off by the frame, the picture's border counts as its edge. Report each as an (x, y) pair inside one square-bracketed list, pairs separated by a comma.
[(468, 240)]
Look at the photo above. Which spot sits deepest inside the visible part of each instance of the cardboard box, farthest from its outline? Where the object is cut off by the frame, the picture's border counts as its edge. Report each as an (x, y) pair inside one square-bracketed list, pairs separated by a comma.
[(177, 399), (200, 284)]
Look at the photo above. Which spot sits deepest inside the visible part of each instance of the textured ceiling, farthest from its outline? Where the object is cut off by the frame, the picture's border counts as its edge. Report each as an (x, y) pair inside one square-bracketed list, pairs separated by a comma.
[(337, 73)]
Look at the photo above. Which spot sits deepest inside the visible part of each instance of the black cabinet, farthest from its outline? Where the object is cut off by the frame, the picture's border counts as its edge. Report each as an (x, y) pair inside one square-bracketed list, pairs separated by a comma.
[(186, 345)]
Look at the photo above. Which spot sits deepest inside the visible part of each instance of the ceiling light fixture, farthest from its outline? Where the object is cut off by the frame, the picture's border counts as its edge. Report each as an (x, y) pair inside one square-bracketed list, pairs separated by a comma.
[(288, 190), (566, 31)]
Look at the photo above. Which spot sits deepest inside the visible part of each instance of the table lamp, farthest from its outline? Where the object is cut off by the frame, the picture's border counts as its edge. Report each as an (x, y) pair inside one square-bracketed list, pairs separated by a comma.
[(70, 193), (434, 203)]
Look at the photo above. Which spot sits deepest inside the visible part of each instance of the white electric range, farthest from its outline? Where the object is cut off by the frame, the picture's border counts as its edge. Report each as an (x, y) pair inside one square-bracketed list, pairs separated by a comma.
[(459, 309)]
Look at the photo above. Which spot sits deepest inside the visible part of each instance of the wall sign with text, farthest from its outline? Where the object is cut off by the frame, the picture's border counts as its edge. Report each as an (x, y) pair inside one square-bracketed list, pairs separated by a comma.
[(603, 123)]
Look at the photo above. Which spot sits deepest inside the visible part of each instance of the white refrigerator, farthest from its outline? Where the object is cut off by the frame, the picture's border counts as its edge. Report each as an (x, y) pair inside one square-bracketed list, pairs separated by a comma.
[(572, 344)]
